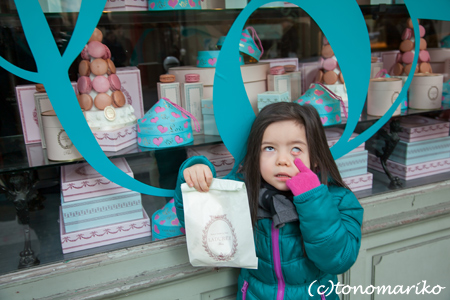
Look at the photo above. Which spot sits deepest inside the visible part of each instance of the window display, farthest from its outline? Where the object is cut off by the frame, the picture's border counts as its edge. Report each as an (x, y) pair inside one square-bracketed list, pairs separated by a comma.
[(280, 61)]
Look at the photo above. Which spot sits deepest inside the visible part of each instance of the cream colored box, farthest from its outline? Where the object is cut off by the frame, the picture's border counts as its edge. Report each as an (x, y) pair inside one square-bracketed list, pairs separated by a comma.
[(253, 75), (191, 100), (425, 91), (382, 94), (296, 85), (250, 72), (252, 88), (440, 61), (59, 145), (170, 91), (279, 83), (375, 68)]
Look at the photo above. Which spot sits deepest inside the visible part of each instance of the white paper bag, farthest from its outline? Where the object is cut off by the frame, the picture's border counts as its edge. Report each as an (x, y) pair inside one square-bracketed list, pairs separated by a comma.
[(219, 231)]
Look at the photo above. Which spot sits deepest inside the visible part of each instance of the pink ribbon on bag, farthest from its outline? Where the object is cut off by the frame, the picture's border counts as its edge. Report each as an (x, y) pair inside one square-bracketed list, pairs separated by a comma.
[(196, 123), (254, 34), (382, 73), (333, 95)]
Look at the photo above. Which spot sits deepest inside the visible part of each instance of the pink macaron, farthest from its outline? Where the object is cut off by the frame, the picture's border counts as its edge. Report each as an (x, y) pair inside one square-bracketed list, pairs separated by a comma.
[(408, 57), (321, 60), (421, 31), (325, 41), (424, 56), (107, 54), (114, 82), (398, 58), (85, 54), (84, 85), (278, 70), (407, 34), (192, 77), (100, 84), (329, 64), (96, 49)]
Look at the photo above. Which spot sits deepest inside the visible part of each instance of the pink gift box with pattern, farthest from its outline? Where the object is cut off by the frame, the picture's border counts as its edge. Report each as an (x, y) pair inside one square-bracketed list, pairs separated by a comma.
[(418, 128), (359, 182), (104, 235), (334, 134), (81, 181), (118, 139), (218, 155), (414, 171), (28, 113)]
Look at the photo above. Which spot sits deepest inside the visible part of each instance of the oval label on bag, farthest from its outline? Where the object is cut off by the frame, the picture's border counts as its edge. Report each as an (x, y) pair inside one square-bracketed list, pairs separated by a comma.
[(219, 239)]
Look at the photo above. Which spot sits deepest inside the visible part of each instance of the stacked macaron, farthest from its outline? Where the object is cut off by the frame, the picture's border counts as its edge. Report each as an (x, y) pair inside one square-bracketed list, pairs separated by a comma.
[(98, 83), (329, 72), (330, 75), (100, 88), (405, 58)]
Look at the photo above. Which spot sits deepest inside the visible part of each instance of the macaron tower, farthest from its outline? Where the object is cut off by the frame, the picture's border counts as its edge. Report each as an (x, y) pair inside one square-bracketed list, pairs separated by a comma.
[(104, 103), (404, 59), (330, 75)]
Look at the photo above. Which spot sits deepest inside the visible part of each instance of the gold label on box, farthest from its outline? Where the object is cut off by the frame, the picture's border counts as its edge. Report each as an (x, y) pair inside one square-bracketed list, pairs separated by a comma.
[(110, 113)]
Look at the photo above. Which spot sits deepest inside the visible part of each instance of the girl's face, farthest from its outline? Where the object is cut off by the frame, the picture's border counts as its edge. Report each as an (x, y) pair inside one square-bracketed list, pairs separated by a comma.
[(282, 142)]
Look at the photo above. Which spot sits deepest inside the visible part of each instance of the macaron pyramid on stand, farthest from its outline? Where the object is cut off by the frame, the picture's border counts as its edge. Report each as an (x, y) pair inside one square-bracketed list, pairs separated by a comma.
[(107, 112)]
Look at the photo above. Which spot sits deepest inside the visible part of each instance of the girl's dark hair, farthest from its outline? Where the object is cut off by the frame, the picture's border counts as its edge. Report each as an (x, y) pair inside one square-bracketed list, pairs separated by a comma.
[(319, 152)]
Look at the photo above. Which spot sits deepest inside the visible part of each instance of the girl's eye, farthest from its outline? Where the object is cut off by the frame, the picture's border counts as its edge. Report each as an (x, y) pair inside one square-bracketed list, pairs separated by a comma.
[(296, 151), (268, 148)]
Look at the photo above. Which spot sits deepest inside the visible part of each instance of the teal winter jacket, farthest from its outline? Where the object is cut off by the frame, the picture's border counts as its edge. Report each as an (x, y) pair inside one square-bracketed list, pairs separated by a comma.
[(330, 219)]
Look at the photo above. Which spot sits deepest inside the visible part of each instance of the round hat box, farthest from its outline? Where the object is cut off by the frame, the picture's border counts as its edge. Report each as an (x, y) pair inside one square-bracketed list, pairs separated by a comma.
[(425, 91), (59, 145), (382, 94)]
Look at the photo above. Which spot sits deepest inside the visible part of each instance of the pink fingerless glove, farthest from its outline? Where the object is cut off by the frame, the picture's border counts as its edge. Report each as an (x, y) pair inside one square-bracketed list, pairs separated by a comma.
[(304, 181)]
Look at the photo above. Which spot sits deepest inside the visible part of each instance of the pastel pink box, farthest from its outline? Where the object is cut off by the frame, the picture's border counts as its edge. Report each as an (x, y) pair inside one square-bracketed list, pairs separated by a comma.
[(418, 128), (218, 155), (81, 181), (418, 170), (126, 5), (334, 134), (115, 140), (130, 79), (359, 182), (28, 114), (104, 235)]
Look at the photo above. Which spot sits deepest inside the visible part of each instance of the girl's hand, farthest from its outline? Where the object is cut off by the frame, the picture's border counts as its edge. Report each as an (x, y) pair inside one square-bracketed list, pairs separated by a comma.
[(198, 176), (304, 181)]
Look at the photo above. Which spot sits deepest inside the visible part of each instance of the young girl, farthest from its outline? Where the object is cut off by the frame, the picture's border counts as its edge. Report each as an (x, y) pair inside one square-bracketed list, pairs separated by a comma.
[(307, 223)]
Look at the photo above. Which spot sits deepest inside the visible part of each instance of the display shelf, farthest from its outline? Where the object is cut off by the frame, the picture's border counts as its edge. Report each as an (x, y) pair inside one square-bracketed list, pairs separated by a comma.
[(16, 156), (207, 15)]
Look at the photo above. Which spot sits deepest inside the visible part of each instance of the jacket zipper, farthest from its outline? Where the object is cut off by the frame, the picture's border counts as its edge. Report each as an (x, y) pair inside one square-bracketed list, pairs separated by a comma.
[(277, 262), (244, 290)]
